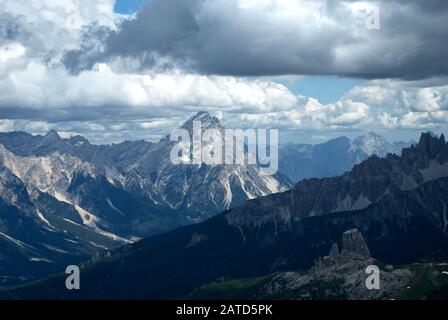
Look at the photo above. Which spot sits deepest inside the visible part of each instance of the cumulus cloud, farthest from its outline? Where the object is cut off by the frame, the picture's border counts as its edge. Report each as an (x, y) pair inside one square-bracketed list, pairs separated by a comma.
[(48, 28), (278, 37), (406, 104), (78, 67), (6, 125), (36, 88), (375, 105)]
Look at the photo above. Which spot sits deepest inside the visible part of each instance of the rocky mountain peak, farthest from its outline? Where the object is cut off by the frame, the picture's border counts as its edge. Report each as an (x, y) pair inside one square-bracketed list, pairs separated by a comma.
[(353, 242), (373, 143), (51, 139), (370, 136), (430, 144), (343, 140), (201, 189), (53, 134), (201, 115), (207, 122), (354, 247), (77, 141)]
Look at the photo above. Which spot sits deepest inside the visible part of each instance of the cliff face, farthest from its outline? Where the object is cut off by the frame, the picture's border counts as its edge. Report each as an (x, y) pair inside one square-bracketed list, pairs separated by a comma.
[(78, 199), (340, 275), (366, 184), (354, 248), (290, 230), (353, 243)]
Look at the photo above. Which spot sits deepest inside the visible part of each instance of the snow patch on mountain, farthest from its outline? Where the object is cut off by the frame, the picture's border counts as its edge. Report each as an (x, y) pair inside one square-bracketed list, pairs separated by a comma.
[(37, 259), (16, 241), (42, 218)]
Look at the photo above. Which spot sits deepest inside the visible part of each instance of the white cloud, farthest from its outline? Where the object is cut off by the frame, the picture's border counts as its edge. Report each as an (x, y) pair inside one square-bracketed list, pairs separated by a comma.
[(48, 28), (36, 126), (37, 86), (64, 14), (11, 51), (115, 99), (6, 125), (388, 121), (401, 104)]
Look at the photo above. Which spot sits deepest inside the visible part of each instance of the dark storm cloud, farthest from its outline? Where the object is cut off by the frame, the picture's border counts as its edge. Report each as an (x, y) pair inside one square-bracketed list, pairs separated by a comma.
[(164, 26), (411, 42), (91, 44), (314, 37)]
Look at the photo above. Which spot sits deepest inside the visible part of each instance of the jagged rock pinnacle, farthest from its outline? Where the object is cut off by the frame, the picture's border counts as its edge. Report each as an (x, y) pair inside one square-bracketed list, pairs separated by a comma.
[(354, 242)]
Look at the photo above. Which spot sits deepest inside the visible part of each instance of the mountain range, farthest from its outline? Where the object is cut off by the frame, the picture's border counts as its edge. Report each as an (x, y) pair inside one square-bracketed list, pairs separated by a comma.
[(64, 200), (398, 203), (334, 157)]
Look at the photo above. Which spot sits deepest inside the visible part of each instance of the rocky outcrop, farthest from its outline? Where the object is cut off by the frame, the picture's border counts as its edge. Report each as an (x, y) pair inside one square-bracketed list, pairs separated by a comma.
[(346, 282), (354, 247), (200, 191), (340, 275), (290, 230), (353, 243), (366, 184)]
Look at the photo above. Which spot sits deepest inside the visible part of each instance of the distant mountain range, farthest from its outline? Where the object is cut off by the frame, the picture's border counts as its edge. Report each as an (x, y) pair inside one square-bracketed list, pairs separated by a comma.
[(64, 200), (333, 158), (398, 203), (374, 144)]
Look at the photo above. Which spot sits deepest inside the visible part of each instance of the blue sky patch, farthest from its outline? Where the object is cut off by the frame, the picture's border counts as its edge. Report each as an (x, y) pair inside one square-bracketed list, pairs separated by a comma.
[(128, 6)]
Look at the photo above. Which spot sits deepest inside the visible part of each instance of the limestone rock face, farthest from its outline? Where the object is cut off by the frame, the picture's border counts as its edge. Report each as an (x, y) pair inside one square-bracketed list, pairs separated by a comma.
[(63, 200), (368, 183), (340, 275), (399, 204), (354, 248), (353, 242)]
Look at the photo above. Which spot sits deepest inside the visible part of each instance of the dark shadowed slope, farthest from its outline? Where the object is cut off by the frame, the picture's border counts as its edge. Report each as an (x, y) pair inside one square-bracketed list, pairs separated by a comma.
[(402, 215)]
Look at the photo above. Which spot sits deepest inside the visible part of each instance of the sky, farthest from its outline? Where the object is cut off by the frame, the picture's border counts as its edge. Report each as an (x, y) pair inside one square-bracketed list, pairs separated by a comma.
[(132, 69), (128, 6), (327, 89)]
